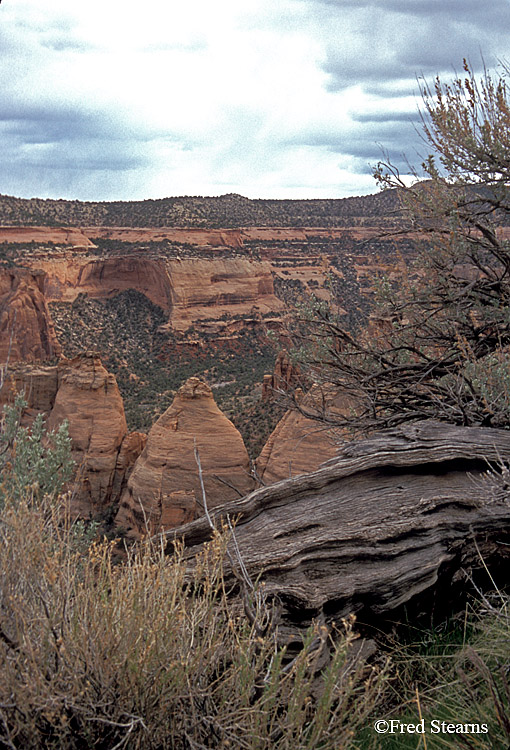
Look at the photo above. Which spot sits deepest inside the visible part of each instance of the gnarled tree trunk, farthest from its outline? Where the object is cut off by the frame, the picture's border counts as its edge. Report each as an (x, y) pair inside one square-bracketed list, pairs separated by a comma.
[(378, 525)]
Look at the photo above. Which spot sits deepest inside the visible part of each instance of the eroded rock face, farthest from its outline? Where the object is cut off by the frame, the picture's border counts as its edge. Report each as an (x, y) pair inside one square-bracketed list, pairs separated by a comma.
[(83, 392), (26, 329), (285, 377), (209, 238), (189, 289), (131, 447), (70, 274), (71, 236), (203, 289), (164, 488), (38, 383), (300, 444), (88, 397)]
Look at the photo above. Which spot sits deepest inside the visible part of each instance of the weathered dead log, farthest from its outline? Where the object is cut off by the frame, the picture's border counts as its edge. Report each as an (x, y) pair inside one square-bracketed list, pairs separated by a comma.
[(379, 524)]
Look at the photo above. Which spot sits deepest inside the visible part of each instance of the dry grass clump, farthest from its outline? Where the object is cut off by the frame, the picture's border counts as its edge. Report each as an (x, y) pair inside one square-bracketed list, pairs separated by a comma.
[(148, 654)]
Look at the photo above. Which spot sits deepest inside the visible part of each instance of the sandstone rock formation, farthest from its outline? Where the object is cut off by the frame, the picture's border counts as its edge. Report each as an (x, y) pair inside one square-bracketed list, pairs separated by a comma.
[(38, 383), (208, 238), (69, 274), (300, 444), (131, 447), (164, 487), (88, 397), (68, 236), (83, 392), (83, 237), (26, 329), (285, 377), (405, 512), (204, 289), (189, 289)]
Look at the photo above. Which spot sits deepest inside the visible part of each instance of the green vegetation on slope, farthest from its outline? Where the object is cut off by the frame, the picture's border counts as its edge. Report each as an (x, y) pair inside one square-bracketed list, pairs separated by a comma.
[(150, 366), (226, 211)]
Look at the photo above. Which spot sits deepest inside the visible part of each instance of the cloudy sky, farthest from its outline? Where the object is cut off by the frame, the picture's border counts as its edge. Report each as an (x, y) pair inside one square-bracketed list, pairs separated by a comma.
[(111, 99)]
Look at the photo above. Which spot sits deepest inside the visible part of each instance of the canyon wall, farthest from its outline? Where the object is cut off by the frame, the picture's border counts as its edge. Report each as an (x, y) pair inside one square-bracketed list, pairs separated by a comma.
[(26, 329), (69, 236), (188, 289), (218, 290), (68, 275), (38, 383), (204, 289), (83, 237)]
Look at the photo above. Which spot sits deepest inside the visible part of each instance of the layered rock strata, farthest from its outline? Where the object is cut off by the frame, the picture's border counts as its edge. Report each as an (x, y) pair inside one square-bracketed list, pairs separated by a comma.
[(68, 275), (83, 237), (69, 236), (189, 290), (164, 488), (203, 289), (26, 329)]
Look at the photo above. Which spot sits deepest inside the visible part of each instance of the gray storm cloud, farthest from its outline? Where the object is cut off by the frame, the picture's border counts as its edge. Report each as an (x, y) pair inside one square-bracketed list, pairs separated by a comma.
[(328, 85)]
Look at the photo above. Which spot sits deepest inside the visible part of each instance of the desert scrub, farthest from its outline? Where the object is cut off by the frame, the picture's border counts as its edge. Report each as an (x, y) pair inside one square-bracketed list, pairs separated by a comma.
[(149, 653)]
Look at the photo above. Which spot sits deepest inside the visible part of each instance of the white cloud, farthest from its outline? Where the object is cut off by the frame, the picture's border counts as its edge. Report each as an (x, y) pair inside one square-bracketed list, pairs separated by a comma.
[(268, 98)]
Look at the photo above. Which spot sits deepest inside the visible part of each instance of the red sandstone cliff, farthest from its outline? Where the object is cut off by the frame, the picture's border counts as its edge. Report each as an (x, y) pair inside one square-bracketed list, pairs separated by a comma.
[(190, 289), (83, 392), (204, 289), (68, 275), (38, 383), (26, 330), (164, 489), (69, 236)]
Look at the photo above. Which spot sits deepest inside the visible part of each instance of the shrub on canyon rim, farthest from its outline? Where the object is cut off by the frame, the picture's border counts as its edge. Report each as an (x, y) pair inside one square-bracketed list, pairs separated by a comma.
[(439, 348)]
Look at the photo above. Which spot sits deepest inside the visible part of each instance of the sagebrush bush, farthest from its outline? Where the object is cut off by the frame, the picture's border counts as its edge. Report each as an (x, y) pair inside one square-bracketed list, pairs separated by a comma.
[(148, 653)]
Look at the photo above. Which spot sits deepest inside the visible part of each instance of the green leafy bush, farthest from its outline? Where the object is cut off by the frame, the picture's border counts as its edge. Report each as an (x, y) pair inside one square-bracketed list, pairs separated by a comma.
[(32, 458)]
